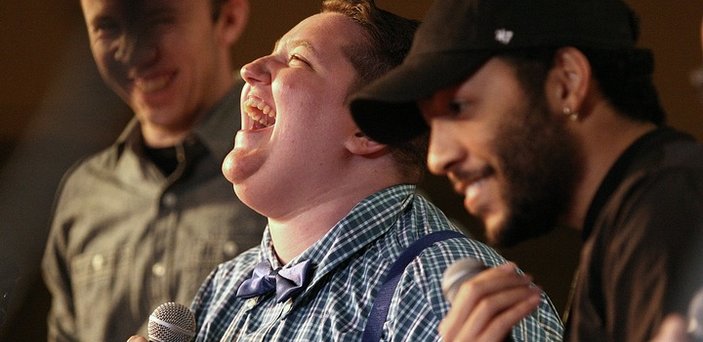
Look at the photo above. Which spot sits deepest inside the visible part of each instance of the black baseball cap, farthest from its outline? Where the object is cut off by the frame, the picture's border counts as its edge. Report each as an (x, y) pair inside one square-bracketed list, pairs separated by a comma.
[(458, 37)]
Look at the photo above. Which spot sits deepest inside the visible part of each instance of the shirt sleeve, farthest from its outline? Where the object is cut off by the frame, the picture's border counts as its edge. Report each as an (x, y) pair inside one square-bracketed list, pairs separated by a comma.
[(419, 306), (61, 321), (647, 244)]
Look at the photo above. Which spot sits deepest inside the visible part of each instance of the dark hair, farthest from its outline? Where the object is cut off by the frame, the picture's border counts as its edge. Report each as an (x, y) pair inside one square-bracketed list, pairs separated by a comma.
[(623, 76), (389, 38)]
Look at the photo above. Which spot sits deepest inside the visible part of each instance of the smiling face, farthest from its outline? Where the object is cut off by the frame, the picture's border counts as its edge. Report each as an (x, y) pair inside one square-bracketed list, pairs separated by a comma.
[(505, 153), (166, 59), (294, 117)]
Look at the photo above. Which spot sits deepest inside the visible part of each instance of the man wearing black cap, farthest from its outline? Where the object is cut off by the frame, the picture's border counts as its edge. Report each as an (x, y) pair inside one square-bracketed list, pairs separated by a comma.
[(542, 113)]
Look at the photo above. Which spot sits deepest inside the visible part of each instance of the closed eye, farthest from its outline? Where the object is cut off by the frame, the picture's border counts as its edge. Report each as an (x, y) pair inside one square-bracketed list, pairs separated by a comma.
[(105, 27), (296, 59)]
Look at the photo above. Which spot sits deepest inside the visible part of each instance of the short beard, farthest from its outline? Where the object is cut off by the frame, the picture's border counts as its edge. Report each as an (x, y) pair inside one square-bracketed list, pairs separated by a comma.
[(540, 163)]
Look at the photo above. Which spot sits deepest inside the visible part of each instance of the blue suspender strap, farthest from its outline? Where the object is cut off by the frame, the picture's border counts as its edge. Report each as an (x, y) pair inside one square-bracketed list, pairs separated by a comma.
[(379, 310)]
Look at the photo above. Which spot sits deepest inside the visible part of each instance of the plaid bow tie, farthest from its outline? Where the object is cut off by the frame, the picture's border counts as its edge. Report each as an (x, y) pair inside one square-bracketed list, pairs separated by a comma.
[(286, 282)]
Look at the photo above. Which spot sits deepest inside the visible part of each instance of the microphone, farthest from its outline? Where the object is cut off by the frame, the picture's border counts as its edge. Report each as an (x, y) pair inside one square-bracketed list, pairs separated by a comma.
[(695, 316), (171, 322), (457, 274)]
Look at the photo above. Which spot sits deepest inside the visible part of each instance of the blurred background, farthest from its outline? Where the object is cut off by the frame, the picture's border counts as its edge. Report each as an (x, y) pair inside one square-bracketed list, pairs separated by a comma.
[(54, 110)]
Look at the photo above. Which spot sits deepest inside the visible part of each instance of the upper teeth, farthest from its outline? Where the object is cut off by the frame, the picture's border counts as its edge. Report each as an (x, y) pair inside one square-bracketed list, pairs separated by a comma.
[(153, 84), (259, 111), (474, 187)]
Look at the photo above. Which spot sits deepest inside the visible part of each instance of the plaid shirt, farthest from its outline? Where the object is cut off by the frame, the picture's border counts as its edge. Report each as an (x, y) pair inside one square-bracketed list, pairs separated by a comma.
[(351, 261)]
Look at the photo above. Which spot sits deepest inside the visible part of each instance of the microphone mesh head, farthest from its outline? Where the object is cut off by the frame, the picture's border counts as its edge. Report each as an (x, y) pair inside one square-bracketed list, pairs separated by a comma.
[(457, 273), (695, 315), (171, 322)]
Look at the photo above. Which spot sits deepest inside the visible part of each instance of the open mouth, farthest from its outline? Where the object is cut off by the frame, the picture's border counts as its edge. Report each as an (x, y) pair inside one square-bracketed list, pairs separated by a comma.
[(260, 114)]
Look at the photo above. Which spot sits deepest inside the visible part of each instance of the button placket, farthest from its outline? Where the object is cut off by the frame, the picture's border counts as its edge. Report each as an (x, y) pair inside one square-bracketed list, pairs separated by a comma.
[(169, 200)]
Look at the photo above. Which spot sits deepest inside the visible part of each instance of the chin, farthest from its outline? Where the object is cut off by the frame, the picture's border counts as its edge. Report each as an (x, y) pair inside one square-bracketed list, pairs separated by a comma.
[(246, 196)]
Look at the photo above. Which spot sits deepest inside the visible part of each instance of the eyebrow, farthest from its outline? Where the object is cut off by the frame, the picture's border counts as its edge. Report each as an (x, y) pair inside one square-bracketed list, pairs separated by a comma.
[(296, 43)]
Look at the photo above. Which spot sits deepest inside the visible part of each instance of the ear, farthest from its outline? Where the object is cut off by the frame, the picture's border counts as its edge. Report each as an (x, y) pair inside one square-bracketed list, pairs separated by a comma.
[(233, 19), (360, 144), (569, 80)]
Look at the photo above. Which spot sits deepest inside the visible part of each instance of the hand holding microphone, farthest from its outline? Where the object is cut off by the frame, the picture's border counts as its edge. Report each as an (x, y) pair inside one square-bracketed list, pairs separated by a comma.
[(676, 328), (459, 272), (170, 322), (486, 303)]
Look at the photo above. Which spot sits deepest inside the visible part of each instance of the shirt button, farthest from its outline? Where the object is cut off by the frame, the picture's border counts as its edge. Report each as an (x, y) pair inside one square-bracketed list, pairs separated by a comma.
[(287, 306), (230, 248), (190, 140), (250, 303), (98, 261), (169, 200), (158, 269)]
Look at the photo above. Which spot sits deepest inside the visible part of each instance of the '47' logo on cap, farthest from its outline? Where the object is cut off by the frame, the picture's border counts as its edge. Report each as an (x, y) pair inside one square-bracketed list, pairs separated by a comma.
[(504, 36)]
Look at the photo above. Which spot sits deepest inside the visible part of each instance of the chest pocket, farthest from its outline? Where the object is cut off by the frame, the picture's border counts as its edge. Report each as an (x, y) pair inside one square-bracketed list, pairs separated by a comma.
[(97, 293)]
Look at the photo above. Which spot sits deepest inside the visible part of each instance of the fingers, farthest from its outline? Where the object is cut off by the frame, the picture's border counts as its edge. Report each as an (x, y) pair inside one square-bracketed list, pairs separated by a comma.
[(137, 339), (487, 306), (497, 325)]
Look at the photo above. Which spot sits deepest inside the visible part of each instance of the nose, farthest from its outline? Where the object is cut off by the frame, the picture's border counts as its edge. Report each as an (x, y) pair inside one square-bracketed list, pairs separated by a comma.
[(444, 152), (136, 49), (257, 71)]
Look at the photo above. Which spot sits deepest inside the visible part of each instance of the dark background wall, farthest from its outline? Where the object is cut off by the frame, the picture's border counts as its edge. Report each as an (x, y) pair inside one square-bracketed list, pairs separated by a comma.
[(54, 110)]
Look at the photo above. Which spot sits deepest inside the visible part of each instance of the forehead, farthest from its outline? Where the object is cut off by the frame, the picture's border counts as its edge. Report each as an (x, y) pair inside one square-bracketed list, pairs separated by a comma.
[(323, 33), (136, 9)]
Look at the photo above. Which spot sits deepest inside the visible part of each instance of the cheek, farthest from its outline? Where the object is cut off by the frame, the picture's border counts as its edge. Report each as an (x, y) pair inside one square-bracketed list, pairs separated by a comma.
[(305, 111), (467, 136), (103, 59), (107, 66)]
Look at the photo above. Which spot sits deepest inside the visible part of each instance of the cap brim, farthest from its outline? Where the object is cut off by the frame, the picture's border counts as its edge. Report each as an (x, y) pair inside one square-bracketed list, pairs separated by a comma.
[(386, 110)]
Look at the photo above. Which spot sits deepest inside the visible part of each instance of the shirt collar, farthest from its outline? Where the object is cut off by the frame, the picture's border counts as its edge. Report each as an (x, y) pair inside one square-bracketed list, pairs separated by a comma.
[(624, 166), (364, 224)]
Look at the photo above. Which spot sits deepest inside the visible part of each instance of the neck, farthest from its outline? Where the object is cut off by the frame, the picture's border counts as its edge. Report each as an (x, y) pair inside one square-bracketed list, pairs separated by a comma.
[(158, 137), (293, 233), (164, 135), (295, 230), (603, 139)]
